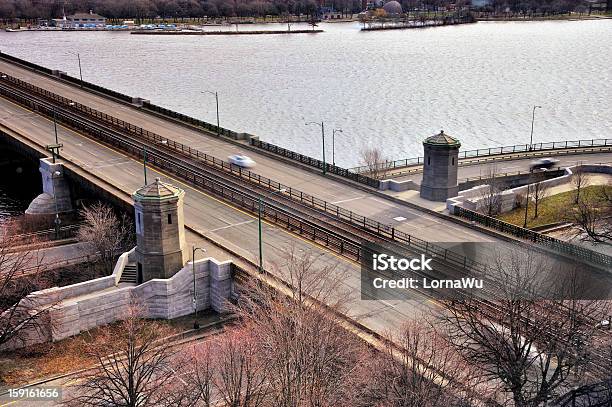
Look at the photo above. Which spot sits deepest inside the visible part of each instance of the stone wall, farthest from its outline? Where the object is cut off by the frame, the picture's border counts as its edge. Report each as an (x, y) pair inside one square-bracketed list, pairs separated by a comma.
[(80, 307), (471, 198)]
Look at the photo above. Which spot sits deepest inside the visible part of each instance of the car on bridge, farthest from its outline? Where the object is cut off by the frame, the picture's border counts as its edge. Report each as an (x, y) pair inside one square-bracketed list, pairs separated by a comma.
[(543, 164), (241, 161)]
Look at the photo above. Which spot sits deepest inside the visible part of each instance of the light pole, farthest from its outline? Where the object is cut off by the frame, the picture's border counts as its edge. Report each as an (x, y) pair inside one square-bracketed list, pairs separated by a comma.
[(195, 304), (80, 70), (532, 122), (217, 101), (259, 225), (334, 144), (58, 222), (322, 125), (144, 164), (526, 207)]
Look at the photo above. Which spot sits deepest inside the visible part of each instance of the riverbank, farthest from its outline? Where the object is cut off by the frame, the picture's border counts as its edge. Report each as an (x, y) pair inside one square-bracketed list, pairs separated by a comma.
[(258, 32)]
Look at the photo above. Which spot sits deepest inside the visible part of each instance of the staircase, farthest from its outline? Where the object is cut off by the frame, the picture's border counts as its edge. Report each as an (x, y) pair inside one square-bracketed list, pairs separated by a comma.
[(129, 274)]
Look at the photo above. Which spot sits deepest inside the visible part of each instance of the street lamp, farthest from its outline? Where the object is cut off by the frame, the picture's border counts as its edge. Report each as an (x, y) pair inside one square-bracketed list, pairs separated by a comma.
[(217, 101), (58, 222), (195, 304), (80, 71), (322, 125), (526, 207), (259, 222), (334, 144), (532, 121)]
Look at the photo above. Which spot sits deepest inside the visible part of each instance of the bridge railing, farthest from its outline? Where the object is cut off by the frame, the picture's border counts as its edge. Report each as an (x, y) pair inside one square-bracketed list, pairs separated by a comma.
[(547, 241), (492, 151), (313, 162)]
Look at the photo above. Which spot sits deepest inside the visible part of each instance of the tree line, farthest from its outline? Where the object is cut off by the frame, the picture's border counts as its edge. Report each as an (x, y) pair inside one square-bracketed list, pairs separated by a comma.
[(180, 9)]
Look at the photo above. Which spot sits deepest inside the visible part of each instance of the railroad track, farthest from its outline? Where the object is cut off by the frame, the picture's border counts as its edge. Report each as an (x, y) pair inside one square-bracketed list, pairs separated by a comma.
[(314, 219)]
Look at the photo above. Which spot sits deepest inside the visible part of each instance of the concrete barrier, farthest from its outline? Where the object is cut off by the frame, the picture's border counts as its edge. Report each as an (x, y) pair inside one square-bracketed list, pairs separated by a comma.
[(83, 306)]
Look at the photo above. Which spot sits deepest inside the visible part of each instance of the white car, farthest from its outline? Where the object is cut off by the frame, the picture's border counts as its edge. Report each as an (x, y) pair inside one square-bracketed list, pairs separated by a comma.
[(241, 161)]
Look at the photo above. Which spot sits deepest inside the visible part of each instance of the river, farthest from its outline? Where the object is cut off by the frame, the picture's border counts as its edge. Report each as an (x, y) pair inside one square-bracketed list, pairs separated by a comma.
[(389, 89)]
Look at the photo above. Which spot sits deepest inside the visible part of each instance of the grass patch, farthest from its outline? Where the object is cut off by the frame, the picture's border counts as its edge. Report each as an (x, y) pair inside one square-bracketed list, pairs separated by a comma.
[(551, 209)]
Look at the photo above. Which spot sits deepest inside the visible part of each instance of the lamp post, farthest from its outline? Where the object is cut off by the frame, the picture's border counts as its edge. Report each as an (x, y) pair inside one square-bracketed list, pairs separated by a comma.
[(322, 125), (526, 207), (532, 122), (80, 70), (196, 325), (259, 225), (57, 221), (334, 144), (217, 102), (144, 164)]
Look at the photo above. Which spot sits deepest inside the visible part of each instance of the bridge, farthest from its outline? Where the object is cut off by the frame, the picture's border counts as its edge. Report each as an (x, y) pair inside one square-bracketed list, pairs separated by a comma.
[(106, 136)]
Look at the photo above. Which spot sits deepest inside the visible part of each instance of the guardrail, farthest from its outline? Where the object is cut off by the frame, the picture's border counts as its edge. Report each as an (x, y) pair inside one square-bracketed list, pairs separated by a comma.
[(65, 232), (313, 162), (555, 244), (486, 152), (189, 120), (291, 222)]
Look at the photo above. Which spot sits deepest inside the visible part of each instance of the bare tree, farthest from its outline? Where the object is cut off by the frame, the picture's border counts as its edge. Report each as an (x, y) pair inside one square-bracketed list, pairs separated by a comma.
[(21, 316), (308, 356), (240, 378), (133, 368), (419, 370), (527, 339), (539, 191), (107, 233), (579, 180), (374, 161), (592, 215), (490, 198)]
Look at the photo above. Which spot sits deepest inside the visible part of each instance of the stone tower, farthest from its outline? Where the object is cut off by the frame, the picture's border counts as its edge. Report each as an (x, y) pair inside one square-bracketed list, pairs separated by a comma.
[(440, 167), (160, 232)]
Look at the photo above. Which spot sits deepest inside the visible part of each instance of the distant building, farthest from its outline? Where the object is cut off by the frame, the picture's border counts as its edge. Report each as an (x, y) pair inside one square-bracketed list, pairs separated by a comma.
[(481, 3), (85, 20)]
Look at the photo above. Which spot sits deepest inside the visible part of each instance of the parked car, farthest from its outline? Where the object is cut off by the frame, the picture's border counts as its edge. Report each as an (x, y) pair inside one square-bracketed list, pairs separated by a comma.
[(241, 161), (543, 163)]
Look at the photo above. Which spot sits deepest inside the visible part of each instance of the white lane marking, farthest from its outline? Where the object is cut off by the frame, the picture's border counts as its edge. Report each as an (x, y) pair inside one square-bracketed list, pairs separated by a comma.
[(399, 218), (231, 226), (350, 199)]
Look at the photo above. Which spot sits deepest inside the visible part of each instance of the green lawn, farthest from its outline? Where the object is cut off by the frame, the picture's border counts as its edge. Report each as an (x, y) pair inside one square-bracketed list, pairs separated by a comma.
[(552, 209)]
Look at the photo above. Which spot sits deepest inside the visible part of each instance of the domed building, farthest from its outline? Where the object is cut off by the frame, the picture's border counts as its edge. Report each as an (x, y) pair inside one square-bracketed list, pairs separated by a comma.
[(392, 8)]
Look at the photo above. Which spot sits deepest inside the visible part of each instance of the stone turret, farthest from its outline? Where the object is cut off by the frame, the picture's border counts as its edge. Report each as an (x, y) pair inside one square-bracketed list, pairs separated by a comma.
[(440, 167), (160, 230)]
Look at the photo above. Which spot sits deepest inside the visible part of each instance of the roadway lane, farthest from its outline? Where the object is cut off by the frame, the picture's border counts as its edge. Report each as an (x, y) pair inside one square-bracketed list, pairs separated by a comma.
[(411, 221), (523, 165), (237, 230)]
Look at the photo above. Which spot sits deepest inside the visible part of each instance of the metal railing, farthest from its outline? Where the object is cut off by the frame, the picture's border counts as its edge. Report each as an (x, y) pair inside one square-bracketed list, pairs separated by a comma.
[(547, 241), (492, 151), (313, 162), (65, 232)]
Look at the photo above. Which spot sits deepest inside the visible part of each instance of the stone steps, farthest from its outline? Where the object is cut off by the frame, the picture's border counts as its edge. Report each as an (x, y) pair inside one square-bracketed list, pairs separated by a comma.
[(129, 274)]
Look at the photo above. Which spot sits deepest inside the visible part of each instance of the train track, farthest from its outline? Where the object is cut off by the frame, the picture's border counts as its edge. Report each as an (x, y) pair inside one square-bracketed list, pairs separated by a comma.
[(311, 218)]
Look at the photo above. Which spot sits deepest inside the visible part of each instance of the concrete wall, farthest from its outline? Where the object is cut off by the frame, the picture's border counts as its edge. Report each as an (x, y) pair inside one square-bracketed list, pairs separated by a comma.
[(398, 186), (80, 307), (472, 198)]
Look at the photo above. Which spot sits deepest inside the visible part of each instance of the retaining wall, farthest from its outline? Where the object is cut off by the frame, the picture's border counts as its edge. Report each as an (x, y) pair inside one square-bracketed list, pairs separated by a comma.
[(83, 306)]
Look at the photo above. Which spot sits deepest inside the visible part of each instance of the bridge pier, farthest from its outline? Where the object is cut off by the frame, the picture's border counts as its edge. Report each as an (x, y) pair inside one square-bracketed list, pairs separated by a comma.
[(56, 196)]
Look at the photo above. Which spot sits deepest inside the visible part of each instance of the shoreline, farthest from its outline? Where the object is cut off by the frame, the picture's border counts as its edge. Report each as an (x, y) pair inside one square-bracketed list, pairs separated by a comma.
[(258, 32)]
